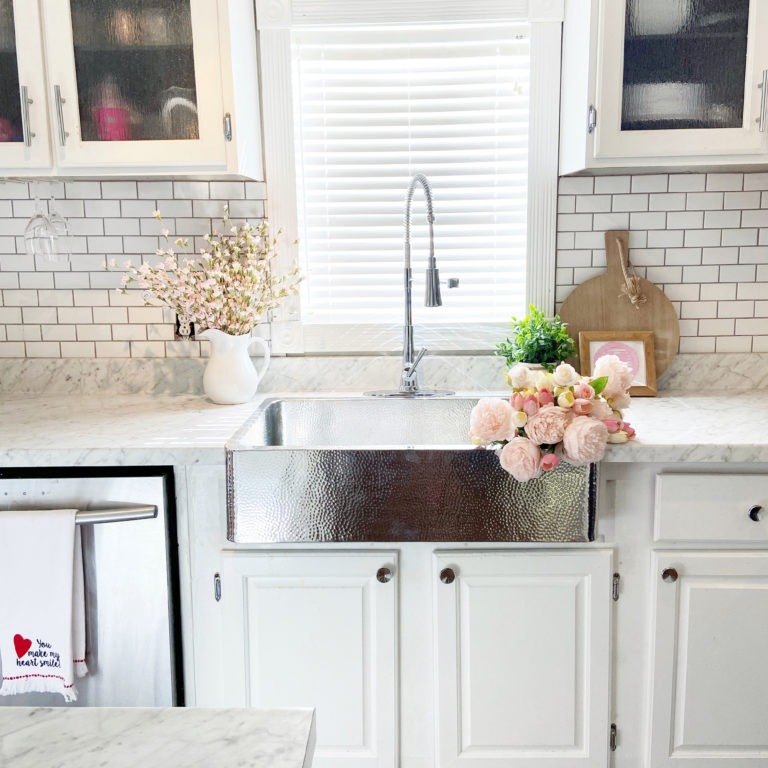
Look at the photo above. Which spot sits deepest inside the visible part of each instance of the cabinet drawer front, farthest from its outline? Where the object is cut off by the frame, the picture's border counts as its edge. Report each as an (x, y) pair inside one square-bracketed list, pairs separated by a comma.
[(695, 507)]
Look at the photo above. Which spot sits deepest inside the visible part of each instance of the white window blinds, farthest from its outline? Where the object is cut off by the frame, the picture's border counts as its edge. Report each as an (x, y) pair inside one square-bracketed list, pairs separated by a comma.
[(373, 106)]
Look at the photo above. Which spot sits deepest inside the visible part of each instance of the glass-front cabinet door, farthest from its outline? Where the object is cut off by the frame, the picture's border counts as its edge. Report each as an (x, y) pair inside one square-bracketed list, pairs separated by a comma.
[(682, 77), (137, 83), (23, 118)]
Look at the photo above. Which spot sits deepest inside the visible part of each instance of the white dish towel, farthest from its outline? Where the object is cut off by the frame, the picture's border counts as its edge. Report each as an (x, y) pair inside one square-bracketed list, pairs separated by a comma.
[(42, 604)]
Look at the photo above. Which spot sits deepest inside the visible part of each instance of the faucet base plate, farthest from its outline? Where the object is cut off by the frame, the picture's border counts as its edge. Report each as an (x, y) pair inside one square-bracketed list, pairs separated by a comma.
[(418, 393)]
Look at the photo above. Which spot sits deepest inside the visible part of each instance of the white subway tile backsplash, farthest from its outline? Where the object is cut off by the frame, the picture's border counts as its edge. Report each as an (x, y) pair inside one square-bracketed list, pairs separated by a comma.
[(722, 182), (754, 218), (101, 208), (733, 344), (700, 238), (191, 190), (753, 254), (634, 202), (647, 221), (567, 203), (742, 273), (717, 292), (605, 221), (113, 349), (756, 181), (45, 349), (687, 182), (682, 256), (59, 332), (723, 255), (650, 183), (576, 185), (76, 349), (722, 219), (704, 201), (119, 190), (82, 190), (735, 309), (666, 201), (75, 315), (741, 200), (757, 326), (697, 344), (739, 237), (666, 238), (612, 185), (720, 327), (591, 204)]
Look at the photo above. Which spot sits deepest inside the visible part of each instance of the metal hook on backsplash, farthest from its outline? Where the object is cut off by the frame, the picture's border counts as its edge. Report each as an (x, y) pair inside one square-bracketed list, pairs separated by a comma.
[(631, 288)]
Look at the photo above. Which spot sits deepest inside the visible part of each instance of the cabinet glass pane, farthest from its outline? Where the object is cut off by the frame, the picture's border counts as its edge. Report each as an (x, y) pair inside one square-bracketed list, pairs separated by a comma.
[(10, 102), (135, 69), (684, 64)]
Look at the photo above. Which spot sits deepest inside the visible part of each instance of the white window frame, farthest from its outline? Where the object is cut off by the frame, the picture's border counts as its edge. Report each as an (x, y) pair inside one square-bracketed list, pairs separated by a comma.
[(274, 20)]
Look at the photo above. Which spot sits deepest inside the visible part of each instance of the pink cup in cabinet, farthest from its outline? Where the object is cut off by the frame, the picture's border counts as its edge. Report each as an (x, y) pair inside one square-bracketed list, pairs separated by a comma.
[(112, 123)]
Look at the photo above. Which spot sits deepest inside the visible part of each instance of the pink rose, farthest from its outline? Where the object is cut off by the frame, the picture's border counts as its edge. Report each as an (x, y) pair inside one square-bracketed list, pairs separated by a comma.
[(521, 458), (549, 461), (618, 373), (582, 391), (548, 425), (601, 410), (585, 440), (491, 419), (582, 407)]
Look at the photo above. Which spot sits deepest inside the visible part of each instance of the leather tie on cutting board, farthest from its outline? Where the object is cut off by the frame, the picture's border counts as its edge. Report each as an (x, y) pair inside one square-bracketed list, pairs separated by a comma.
[(619, 300)]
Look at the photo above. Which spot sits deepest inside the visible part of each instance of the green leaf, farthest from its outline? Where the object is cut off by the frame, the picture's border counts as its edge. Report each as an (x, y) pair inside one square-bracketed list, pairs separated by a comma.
[(599, 384)]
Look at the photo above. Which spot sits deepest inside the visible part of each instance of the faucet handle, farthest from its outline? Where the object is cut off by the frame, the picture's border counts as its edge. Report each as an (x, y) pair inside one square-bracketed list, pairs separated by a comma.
[(453, 282), (409, 372)]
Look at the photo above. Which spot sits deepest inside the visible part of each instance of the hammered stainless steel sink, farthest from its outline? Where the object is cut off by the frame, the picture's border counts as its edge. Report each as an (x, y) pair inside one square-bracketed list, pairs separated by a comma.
[(339, 469)]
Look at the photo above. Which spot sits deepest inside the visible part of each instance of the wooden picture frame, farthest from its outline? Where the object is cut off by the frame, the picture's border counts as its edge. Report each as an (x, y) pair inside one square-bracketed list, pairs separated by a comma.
[(636, 348)]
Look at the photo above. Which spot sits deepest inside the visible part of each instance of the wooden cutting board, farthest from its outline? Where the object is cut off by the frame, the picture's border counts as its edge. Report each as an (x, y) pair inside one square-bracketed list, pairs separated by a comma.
[(602, 304)]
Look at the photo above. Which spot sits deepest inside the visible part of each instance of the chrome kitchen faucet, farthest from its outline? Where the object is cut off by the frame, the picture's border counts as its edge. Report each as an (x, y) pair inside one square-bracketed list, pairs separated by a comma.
[(409, 386)]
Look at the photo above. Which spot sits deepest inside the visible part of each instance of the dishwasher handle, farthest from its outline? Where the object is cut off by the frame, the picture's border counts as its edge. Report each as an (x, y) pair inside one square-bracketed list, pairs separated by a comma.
[(116, 514)]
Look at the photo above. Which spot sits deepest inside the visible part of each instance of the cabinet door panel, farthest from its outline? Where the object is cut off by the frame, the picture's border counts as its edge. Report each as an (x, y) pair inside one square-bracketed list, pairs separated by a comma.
[(684, 81), (523, 658), (22, 73), (140, 86), (709, 674), (319, 631)]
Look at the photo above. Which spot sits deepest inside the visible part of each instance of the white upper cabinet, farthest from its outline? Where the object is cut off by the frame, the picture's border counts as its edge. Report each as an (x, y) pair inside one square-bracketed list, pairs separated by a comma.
[(135, 88), (664, 83)]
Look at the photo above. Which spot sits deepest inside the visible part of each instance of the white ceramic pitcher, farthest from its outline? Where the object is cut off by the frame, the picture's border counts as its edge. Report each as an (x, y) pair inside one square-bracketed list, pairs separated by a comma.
[(230, 376)]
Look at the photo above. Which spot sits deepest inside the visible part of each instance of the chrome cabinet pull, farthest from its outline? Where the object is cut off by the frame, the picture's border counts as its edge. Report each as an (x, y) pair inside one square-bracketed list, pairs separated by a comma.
[(217, 587), (228, 127), (763, 102), (755, 513), (670, 575), (447, 575), (25, 102), (384, 575), (60, 114)]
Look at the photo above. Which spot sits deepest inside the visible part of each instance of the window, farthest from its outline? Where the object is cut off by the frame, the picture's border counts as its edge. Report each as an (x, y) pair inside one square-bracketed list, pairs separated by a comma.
[(352, 110)]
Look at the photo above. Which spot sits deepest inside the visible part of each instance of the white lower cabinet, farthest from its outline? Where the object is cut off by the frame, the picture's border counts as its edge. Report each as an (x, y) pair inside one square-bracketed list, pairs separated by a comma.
[(318, 629), (709, 671), (522, 645), (417, 658)]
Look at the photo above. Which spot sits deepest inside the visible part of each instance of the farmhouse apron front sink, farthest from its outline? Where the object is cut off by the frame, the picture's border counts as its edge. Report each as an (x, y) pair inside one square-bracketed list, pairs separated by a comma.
[(360, 469)]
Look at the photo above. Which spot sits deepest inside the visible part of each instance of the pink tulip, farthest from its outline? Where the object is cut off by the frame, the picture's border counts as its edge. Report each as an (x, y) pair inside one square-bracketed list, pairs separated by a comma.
[(545, 397), (549, 461), (530, 405), (612, 425), (517, 400), (625, 426)]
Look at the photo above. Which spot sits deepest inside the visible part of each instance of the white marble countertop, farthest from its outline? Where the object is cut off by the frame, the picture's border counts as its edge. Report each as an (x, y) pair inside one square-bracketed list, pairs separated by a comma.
[(156, 738), (126, 430), (116, 429)]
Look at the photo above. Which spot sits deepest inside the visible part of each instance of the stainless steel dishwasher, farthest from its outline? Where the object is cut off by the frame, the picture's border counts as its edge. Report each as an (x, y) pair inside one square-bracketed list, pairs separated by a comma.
[(133, 648)]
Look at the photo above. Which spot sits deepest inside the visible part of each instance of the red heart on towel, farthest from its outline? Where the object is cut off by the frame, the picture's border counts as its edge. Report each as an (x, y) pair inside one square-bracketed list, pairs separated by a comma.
[(21, 644)]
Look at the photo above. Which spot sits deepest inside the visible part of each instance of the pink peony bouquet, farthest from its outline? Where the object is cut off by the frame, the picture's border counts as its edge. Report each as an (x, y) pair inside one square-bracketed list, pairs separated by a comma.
[(554, 417)]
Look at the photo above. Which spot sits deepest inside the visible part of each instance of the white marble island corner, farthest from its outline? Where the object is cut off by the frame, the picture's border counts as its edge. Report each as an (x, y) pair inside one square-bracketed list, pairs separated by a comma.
[(156, 738)]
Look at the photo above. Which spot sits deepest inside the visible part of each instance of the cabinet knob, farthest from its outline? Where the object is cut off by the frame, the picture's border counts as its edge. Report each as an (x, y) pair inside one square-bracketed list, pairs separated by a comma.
[(447, 576), (755, 513), (384, 575), (670, 575)]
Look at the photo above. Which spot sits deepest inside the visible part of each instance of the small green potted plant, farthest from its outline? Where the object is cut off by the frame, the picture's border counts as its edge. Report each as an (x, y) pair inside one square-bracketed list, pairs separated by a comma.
[(536, 339)]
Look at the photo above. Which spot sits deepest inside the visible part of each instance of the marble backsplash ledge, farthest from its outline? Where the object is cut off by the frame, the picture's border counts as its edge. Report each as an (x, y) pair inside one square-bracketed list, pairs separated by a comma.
[(477, 373)]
